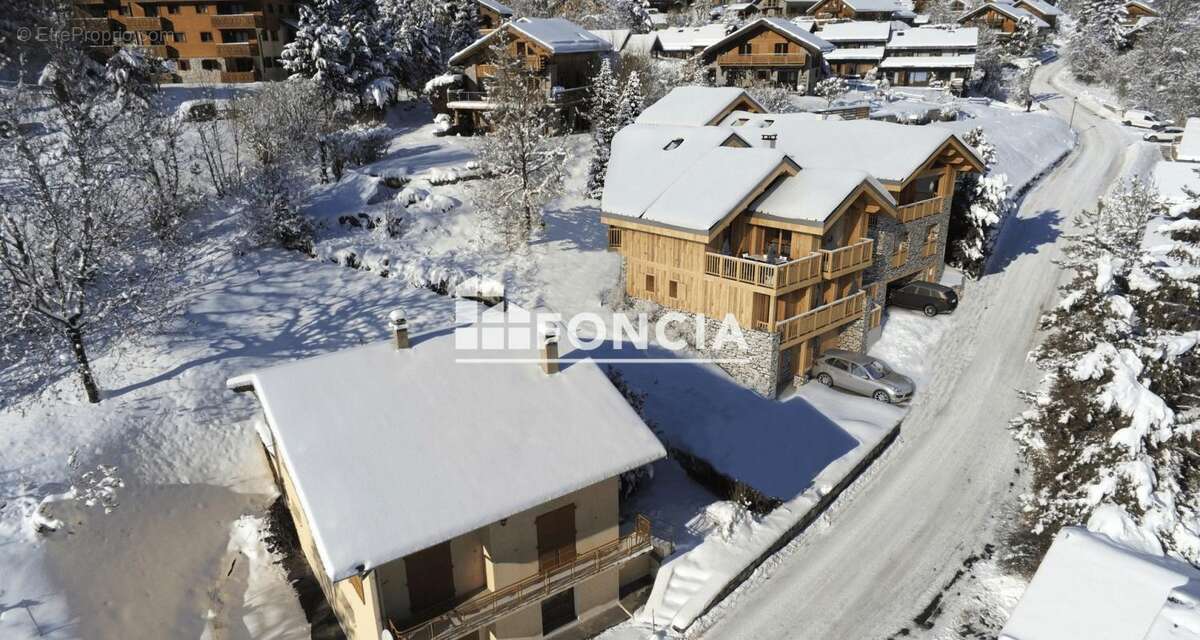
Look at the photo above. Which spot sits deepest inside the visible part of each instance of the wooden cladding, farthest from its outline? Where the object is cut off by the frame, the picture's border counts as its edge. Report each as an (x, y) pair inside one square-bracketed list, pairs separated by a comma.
[(813, 323), (874, 317), (806, 270), (849, 259), (238, 21), (485, 609), (923, 209), (735, 59)]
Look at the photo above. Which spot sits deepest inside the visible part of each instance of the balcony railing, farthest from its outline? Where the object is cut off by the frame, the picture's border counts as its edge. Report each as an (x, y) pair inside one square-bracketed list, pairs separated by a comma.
[(848, 259), (798, 272), (735, 59), (928, 249), (560, 96), (806, 325), (239, 76), (491, 606), (874, 317), (238, 21), (102, 25), (900, 257), (143, 23), (237, 49), (922, 209)]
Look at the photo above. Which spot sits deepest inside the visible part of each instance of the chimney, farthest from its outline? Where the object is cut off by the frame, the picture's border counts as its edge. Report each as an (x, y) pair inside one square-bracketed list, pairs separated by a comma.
[(548, 342), (399, 326), (770, 139)]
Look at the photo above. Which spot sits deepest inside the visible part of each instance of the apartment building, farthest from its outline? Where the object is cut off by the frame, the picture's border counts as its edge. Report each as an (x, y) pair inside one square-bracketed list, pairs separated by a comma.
[(212, 41), (769, 50), (793, 224), (922, 56), (436, 499), (563, 56), (860, 46)]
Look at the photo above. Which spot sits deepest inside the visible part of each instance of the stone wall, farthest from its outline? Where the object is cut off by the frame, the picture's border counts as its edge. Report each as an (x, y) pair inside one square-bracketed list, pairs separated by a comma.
[(760, 367), (888, 232), (853, 336)]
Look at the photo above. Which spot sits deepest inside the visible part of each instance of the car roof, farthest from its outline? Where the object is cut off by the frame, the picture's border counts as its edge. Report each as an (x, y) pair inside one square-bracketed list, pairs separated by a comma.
[(852, 356), (931, 285)]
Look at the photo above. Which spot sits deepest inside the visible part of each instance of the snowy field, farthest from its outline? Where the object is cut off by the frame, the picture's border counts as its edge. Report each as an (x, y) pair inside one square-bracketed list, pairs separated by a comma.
[(184, 550)]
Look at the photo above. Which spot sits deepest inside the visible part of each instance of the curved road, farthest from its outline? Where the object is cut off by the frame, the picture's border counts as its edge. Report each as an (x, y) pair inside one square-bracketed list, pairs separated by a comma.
[(937, 496)]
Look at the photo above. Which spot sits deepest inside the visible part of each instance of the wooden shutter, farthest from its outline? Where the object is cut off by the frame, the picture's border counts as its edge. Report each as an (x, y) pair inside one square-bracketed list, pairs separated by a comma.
[(430, 578), (556, 537)]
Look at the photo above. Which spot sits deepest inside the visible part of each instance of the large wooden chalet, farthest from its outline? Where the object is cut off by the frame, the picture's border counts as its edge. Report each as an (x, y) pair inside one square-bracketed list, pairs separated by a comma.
[(862, 10), (769, 50), (793, 224), (563, 56), (492, 14), (1005, 18)]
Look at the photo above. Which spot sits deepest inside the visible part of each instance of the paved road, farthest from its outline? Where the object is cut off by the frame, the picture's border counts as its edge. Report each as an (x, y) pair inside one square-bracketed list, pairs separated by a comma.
[(937, 497)]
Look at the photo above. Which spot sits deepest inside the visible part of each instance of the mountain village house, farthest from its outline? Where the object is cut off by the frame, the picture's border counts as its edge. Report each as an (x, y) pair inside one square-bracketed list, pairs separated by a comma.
[(771, 50), (563, 55), (217, 41), (685, 42), (1042, 9), (1136, 11), (491, 15), (793, 224), (860, 46), (1005, 18), (785, 8), (924, 55), (876, 10), (441, 500)]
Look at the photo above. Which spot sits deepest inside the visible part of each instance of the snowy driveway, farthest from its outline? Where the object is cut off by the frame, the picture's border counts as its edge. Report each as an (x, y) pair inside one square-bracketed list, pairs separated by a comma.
[(939, 495)]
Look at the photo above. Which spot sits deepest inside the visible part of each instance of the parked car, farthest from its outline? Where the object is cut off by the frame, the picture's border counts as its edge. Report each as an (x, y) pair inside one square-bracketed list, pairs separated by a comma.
[(1166, 134), (862, 374), (928, 297), (1143, 119)]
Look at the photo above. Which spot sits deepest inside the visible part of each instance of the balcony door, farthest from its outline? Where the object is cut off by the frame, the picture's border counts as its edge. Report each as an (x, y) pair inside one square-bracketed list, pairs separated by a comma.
[(430, 580), (556, 537)]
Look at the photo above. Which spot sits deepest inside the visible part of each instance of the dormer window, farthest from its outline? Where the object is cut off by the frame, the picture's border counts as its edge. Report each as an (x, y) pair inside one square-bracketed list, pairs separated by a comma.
[(674, 144)]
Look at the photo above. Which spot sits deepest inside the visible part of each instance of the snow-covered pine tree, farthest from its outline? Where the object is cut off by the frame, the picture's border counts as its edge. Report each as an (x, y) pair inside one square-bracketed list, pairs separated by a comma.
[(1104, 21), (980, 202), (520, 152), (831, 88), (605, 101), (632, 101), (1168, 70), (1112, 434), (346, 49), (464, 26)]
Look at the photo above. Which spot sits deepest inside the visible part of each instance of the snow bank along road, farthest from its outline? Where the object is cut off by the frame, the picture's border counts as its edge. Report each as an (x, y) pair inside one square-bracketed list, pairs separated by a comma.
[(937, 497)]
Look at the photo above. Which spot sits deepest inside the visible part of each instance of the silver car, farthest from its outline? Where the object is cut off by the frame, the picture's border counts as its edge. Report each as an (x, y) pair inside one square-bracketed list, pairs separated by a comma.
[(862, 374)]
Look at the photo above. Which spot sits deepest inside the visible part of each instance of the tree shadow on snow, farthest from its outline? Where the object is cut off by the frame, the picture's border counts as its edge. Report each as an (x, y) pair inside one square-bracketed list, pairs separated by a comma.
[(1024, 236), (577, 228)]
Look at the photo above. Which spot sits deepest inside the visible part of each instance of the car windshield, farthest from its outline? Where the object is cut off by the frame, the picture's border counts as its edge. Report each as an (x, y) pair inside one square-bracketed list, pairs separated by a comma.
[(877, 370)]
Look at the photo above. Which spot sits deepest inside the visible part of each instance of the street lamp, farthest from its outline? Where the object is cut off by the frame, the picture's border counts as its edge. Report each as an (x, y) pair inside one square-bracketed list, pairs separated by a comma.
[(1074, 103)]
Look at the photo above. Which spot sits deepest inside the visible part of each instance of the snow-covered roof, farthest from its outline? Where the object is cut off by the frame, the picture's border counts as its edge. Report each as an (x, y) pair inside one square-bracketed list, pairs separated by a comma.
[(640, 43), (889, 152), (1090, 587), (393, 451), (858, 31), (712, 187), (694, 106), (1142, 5), (501, 9), (555, 34), (786, 28), (929, 62), (858, 53), (1042, 7), (615, 37), (814, 194), (1014, 12), (646, 159), (688, 38), (935, 38), (1189, 142), (875, 6), (1174, 179)]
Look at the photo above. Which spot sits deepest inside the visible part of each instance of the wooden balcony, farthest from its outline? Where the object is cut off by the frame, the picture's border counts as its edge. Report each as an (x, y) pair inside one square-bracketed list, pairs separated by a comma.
[(928, 249), (490, 606), (735, 59), (238, 21), (900, 257), (238, 76), (237, 49), (923, 209), (143, 23), (813, 323), (776, 277), (848, 259), (101, 25), (874, 317)]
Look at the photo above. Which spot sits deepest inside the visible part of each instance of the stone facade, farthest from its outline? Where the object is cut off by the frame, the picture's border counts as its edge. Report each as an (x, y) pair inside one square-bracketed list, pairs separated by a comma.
[(853, 336), (757, 368), (888, 234)]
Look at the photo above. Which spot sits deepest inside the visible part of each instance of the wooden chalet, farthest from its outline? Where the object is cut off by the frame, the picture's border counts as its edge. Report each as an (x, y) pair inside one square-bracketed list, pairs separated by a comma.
[(562, 55), (724, 220), (1136, 10), (1005, 18), (1042, 9), (770, 50), (492, 14), (876, 10), (860, 46)]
